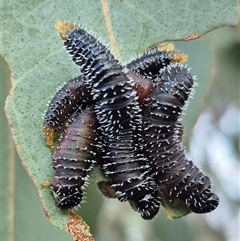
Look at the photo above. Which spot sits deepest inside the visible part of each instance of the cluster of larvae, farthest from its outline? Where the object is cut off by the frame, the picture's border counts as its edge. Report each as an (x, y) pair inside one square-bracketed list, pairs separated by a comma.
[(127, 119)]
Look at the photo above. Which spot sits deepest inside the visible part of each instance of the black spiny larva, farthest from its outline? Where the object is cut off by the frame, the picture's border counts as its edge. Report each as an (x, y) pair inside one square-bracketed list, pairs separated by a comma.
[(74, 158), (68, 99), (154, 59), (176, 177), (119, 117)]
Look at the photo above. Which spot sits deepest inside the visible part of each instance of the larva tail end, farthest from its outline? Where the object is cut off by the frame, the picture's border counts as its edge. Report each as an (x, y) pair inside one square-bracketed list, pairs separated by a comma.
[(167, 47), (65, 29), (163, 46), (179, 57), (49, 134)]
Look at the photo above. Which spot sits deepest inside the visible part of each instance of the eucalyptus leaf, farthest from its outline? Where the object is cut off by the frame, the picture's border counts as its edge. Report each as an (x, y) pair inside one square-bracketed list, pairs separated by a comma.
[(34, 51)]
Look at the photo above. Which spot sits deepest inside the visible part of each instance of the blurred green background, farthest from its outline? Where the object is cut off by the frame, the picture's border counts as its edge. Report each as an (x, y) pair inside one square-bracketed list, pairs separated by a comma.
[(212, 140)]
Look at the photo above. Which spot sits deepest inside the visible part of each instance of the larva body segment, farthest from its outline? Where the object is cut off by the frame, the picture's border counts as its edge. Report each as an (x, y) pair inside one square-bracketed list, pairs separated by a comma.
[(142, 86), (68, 99), (74, 158), (120, 121), (176, 177)]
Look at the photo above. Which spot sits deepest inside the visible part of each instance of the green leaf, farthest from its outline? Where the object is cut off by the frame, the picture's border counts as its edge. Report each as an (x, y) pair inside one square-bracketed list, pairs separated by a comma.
[(34, 51)]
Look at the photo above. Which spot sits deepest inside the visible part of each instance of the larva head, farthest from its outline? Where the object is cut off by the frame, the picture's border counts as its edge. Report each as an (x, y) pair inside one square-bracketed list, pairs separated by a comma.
[(66, 202), (107, 190), (148, 206), (65, 29), (205, 205), (68, 192)]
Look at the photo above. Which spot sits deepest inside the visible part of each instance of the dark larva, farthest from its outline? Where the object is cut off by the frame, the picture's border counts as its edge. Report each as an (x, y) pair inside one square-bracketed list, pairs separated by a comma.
[(175, 56), (74, 158), (68, 99), (119, 117), (154, 59), (149, 65), (176, 177)]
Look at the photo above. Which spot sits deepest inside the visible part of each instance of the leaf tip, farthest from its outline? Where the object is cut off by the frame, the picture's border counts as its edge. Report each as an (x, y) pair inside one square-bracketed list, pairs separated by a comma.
[(78, 228)]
